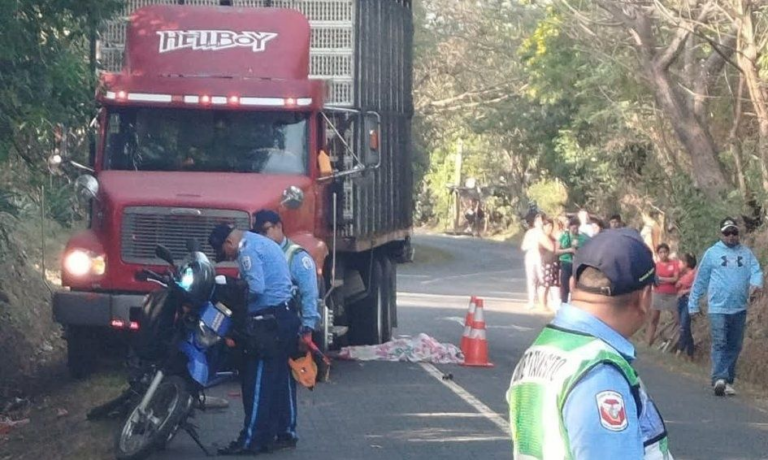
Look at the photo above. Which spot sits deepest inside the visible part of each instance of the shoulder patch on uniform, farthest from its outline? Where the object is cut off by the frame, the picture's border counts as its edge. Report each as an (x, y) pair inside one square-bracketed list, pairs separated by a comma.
[(246, 262), (306, 262), (613, 415)]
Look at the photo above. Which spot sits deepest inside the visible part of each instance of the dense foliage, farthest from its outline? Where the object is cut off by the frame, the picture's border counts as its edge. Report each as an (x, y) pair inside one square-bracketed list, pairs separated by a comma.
[(631, 106), (618, 106), (46, 81)]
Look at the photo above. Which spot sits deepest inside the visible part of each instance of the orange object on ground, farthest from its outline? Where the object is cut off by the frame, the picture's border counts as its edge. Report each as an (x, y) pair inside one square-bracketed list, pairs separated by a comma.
[(476, 351), (468, 321)]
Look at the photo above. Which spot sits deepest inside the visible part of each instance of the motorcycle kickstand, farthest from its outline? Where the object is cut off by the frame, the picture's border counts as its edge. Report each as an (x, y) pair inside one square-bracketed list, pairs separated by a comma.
[(192, 432)]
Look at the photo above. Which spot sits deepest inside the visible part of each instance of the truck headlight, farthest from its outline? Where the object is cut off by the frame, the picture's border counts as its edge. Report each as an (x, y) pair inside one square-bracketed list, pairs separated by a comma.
[(80, 263)]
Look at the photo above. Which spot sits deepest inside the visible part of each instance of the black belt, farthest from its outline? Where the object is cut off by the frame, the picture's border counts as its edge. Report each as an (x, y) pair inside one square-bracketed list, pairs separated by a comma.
[(268, 312)]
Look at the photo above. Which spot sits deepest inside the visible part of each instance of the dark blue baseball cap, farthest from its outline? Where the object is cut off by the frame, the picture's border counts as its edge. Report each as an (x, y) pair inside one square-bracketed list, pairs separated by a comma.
[(263, 217), (218, 236), (622, 256)]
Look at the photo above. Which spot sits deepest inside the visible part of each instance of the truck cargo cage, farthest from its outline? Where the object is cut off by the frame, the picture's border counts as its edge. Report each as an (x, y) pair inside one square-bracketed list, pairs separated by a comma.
[(332, 50)]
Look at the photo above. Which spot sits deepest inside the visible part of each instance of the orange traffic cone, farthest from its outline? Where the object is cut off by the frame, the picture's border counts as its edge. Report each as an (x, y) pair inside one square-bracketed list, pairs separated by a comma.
[(468, 321), (476, 351)]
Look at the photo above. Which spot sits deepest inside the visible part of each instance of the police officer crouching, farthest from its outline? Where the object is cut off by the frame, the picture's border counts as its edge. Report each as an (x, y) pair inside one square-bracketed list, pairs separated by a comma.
[(268, 336), (575, 394), (305, 294)]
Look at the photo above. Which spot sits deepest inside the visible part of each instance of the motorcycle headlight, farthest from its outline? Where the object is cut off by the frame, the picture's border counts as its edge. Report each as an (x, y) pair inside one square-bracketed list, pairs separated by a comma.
[(80, 263), (186, 279), (204, 336)]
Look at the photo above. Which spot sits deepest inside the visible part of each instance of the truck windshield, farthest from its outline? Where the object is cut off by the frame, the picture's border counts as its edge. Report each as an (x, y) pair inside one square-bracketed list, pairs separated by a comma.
[(156, 139)]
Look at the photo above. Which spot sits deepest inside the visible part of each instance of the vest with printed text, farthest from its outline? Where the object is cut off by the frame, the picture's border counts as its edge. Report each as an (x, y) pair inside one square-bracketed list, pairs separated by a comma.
[(544, 378)]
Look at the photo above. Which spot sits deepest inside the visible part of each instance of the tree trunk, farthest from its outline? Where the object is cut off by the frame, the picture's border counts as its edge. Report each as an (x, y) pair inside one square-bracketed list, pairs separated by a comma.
[(735, 142), (748, 63), (692, 134)]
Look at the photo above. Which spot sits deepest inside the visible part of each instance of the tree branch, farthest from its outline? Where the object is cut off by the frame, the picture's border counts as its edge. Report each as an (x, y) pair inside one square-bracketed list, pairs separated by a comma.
[(672, 51), (710, 70)]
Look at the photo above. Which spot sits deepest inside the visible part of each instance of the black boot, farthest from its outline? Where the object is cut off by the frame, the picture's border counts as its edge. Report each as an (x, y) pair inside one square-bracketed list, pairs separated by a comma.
[(285, 441)]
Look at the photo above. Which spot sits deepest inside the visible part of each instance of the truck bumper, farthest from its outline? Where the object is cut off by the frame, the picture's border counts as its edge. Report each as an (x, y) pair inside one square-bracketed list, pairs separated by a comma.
[(95, 308)]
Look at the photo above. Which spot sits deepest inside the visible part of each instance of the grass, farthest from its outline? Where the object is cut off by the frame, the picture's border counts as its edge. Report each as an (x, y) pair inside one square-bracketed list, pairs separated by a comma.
[(57, 427)]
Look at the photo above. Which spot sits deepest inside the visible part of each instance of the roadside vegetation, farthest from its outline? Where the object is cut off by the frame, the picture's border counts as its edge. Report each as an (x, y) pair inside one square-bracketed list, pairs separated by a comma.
[(620, 107), (659, 106)]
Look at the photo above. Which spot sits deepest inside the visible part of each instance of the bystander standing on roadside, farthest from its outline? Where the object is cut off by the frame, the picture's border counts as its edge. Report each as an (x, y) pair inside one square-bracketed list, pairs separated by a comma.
[(683, 285), (530, 248), (651, 232), (569, 243), (665, 293), (585, 223), (615, 222), (550, 274), (597, 226), (731, 275)]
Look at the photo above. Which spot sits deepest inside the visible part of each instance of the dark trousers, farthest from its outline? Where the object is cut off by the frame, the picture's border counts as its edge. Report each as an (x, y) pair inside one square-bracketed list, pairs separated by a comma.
[(566, 271), (727, 337), (685, 343), (269, 406)]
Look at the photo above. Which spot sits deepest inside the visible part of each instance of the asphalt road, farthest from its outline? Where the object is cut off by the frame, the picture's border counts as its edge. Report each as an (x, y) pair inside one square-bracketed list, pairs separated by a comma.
[(379, 410)]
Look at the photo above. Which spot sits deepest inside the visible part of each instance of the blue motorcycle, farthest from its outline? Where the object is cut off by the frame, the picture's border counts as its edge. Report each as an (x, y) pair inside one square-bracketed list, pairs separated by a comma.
[(178, 344)]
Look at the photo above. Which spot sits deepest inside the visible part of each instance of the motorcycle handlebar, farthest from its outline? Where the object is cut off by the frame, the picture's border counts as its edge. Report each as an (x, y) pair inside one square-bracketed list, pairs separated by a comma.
[(149, 275)]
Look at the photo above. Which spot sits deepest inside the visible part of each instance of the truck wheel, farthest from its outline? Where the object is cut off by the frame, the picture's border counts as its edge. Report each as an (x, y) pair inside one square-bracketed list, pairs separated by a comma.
[(369, 317), (81, 351)]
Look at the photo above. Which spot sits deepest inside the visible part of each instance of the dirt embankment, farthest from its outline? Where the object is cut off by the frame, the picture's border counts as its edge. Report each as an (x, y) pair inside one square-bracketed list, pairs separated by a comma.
[(31, 346)]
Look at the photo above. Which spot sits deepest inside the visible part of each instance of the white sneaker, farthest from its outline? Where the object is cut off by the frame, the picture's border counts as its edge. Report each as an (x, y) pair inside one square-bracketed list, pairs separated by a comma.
[(729, 390), (720, 387)]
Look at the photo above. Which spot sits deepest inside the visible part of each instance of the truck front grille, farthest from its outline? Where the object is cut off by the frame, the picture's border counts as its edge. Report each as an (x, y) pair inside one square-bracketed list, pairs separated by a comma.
[(144, 227)]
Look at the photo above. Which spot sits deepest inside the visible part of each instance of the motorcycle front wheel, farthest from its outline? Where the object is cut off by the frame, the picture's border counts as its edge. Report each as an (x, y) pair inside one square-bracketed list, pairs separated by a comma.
[(146, 431)]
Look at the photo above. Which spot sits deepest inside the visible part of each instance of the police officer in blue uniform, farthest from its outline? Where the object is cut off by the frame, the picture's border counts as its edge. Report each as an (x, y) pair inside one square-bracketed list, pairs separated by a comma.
[(268, 336), (304, 278)]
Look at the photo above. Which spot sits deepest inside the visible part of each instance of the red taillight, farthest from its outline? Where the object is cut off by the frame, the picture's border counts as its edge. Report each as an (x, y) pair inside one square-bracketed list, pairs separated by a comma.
[(120, 324), (290, 102), (205, 99), (122, 95), (234, 100)]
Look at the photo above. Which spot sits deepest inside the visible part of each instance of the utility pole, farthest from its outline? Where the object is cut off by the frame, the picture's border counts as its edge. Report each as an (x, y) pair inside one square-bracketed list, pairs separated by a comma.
[(457, 183)]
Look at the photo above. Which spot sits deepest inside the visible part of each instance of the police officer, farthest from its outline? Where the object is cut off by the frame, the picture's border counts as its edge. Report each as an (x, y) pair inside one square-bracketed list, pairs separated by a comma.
[(269, 335), (304, 277), (575, 393)]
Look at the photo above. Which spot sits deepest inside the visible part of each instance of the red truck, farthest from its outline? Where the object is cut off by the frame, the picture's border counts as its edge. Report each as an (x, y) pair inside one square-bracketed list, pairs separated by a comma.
[(222, 108)]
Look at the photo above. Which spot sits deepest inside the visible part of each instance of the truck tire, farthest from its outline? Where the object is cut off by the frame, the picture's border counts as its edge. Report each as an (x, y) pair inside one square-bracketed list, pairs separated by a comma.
[(369, 317), (81, 351)]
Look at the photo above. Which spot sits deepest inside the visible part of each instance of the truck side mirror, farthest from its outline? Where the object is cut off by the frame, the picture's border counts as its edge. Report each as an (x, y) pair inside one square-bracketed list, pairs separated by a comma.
[(371, 154), (293, 197), (87, 186)]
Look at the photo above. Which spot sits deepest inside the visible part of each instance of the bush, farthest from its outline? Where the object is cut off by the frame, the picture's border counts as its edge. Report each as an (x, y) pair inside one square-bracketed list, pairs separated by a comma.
[(550, 195)]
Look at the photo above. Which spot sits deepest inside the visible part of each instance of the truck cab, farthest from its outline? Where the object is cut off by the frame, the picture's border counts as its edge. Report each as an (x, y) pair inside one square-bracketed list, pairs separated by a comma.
[(213, 116)]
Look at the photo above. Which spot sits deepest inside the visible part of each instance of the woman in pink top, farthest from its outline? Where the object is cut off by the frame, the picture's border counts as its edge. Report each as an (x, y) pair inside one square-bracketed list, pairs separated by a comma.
[(688, 274), (665, 292)]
